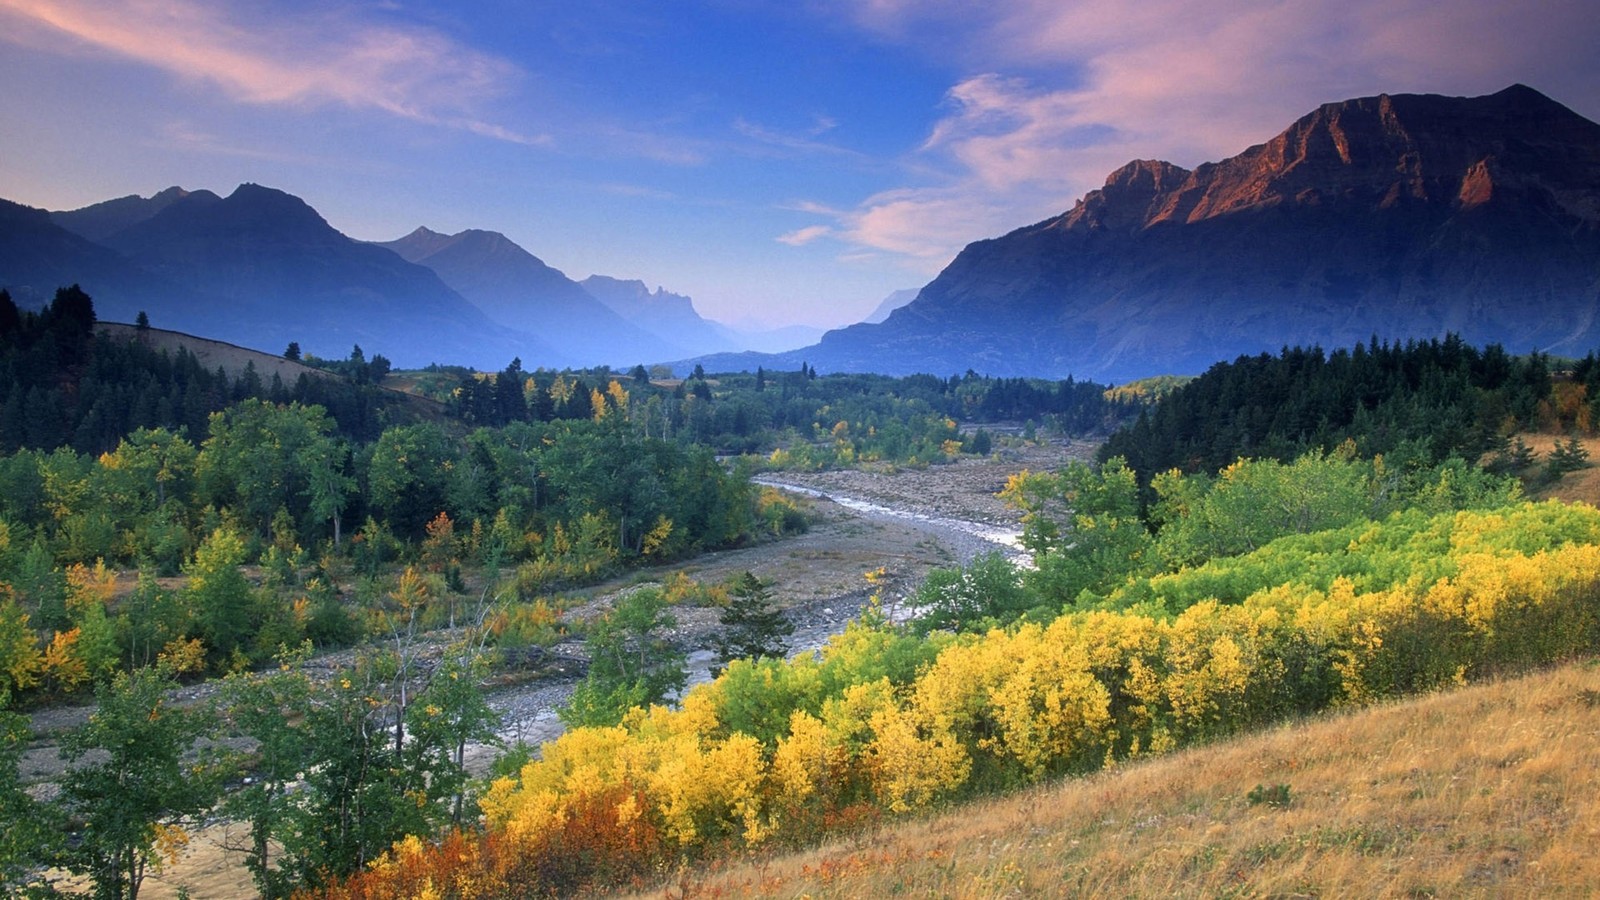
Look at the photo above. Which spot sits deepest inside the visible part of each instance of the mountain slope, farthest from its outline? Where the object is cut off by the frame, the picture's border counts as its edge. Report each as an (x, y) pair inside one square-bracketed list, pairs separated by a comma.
[(1404, 216), (1484, 791), (278, 272), (37, 256), (516, 289), (889, 304), (670, 317), (102, 220)]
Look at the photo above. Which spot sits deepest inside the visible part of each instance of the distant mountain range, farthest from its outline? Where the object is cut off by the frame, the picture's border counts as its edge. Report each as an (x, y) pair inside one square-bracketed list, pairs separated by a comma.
[(1400, 217), (261, 268), (1396, 217)]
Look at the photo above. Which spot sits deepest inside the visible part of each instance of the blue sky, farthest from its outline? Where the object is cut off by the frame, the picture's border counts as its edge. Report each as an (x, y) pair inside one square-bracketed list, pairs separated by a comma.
[(781, 162)]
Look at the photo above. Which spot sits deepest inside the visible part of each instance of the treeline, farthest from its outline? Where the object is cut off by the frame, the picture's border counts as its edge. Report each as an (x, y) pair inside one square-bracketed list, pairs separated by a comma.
[(817, 421), (557, 504), (64, 386), (1444, 396)]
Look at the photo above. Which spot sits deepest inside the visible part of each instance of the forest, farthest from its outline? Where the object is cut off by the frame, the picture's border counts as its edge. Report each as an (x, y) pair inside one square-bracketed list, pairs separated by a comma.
[(1279, 536)]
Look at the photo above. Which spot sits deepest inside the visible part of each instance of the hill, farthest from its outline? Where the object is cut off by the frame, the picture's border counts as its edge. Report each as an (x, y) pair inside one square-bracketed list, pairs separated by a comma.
[(1400, 216), (234, 360), (1482, 791)]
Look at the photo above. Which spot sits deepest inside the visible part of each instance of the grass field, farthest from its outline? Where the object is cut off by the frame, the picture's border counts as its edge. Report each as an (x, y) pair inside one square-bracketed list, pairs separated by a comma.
[(1492, 790)]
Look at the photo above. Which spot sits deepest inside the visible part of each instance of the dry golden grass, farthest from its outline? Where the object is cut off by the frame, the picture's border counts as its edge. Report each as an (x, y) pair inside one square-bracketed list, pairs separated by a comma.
[(1580, 486), (1490, 790)]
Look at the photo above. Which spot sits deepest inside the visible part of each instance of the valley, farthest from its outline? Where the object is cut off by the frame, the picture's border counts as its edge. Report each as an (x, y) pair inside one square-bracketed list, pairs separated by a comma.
[(895, 523), (438, 614)]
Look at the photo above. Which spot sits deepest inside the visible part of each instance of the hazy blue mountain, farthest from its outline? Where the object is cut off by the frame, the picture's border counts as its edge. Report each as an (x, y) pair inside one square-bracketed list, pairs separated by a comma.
[(272, 270), (37, 256), (891, 303), (1404, 216), (102, 220), (670, 317), (518, 290), (771, 340)]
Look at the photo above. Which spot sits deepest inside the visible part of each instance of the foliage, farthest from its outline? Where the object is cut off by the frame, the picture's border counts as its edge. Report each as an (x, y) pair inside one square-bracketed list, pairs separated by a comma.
[(266, 708), (752, 625), (31, 828), (129, 781), (774, 752), (1089, 541), (62, 384), (987, 592), (1276, 796), (632, 662), (1444, 395), (803, 419)]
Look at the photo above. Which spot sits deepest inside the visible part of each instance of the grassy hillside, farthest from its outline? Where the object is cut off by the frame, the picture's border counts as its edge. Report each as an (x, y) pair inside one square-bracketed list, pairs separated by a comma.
[(1484, 791)]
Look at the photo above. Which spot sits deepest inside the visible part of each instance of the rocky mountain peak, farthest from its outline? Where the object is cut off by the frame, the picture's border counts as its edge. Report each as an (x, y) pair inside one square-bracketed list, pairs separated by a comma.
[(1131, 197), (1401, 215), (1373, 153)]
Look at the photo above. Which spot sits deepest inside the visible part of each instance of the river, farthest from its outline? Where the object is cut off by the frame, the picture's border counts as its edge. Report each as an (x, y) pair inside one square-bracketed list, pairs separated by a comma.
[(528, 713)]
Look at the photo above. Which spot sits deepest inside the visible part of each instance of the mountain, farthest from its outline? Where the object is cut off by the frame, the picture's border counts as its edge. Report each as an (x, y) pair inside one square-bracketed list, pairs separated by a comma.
[(37, 256), (889, 304), (1396, 216), (518, 290), (670, 317), (770, 340), (268, 269), (102, 220)]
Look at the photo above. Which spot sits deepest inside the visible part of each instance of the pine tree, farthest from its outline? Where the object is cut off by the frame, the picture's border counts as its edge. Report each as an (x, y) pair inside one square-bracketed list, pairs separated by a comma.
[(752, 625)]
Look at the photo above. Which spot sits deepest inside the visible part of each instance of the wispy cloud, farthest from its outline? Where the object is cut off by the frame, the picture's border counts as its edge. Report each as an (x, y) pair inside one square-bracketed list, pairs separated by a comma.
[(1066, 92), (336, 56), (797, 144), (802, 236)]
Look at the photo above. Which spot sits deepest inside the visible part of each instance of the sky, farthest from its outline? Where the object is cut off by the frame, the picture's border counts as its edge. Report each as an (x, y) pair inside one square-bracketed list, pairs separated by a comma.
[(780, 161)]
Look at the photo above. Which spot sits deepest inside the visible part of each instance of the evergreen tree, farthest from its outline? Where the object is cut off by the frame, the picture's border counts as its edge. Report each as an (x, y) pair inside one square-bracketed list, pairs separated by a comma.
[(752, 625), (10, 317)]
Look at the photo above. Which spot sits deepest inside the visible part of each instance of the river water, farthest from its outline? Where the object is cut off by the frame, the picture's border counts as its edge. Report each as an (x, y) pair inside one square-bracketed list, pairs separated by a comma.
[(528, 714)]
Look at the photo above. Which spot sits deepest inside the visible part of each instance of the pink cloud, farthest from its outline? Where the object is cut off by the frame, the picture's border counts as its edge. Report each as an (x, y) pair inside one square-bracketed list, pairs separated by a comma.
[(331, 57)]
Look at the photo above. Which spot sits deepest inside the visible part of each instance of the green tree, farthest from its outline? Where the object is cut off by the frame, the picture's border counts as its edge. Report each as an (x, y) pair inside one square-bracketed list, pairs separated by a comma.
[(409, 476), (1566, 456), (752, 625), (128, 781), (449, 712), (223, 602), (352, 804), (1083, 527), (271, 709), (28, 839), (631, 661), (261, 457), (987, 591)]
